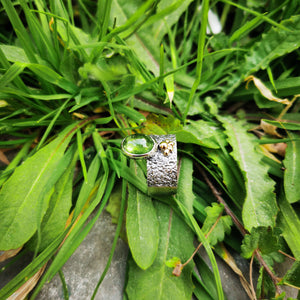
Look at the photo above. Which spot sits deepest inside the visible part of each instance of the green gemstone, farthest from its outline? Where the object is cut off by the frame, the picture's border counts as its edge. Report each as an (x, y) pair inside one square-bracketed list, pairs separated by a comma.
[(138, 144)]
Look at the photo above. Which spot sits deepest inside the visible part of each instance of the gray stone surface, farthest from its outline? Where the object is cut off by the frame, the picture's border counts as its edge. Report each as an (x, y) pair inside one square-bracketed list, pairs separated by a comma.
[(84, 268)]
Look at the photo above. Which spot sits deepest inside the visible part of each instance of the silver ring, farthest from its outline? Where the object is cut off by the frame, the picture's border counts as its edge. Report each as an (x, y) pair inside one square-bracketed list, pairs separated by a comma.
[(161, 154)]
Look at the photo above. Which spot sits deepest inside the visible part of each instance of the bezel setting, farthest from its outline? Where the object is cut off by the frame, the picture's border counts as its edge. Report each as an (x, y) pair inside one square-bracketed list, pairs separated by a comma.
[(149, 149)]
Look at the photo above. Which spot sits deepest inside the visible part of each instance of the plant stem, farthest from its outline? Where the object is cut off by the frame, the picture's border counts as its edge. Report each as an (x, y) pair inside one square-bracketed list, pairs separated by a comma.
[(268, 270), (286, 255), (251, 279)]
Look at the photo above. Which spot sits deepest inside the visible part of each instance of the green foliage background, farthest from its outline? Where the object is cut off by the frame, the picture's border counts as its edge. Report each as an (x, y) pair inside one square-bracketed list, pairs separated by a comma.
[(76, 77)]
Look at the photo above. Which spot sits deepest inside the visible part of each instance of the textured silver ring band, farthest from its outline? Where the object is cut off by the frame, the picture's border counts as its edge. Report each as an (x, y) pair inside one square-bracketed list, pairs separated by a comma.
[(161, 168)]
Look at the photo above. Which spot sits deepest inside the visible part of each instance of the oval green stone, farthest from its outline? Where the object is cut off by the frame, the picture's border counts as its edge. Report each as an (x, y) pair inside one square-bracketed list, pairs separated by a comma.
[(138, 144)]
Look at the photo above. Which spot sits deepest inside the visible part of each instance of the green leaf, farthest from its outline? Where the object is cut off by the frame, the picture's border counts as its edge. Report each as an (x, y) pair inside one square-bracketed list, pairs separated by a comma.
[(14, 54), (53, 77), (20, 93), (182, 96), (130, 113), (169, 83), (283, 124), (56, 216), (42, 71), (130, 12), (275, 43), (289, 223), (102, 71), (173, 262), (259, 208), (157, 282), (167, 14), (265, 287), (11, 74), (185, 184), (247, 27), (20, 29), (202, 133), (292, 277), (232, 177), (223, 225), (23, 202), (141, 225), (292, 169), (15, 162), (128, 174), (159, 124), (261, 238), (285, 87)]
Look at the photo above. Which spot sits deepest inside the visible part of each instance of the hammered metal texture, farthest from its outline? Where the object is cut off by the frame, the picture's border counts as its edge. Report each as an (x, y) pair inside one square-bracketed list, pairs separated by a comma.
[(161, 169)]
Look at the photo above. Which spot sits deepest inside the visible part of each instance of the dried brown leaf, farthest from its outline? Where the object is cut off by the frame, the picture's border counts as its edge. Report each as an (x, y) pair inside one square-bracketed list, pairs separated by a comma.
[(278, 148), (3, 158), (79, 116), (25, 289), (267, 153), (264, 90), (9, 253), (99, 109), (269, 129)]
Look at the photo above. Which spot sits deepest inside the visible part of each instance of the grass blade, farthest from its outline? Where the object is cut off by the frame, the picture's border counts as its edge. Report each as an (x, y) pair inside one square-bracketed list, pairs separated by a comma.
[(292, 169), (289, 223), (200, 54)]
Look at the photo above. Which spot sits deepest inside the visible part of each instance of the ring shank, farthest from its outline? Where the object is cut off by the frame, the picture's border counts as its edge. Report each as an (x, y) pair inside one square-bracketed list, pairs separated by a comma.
[(161, 169)]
